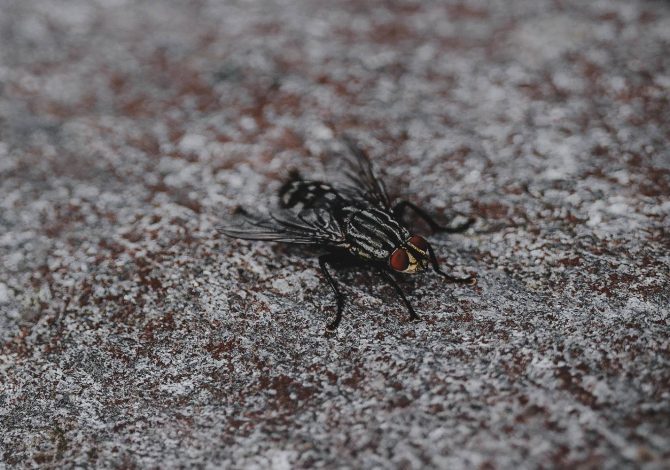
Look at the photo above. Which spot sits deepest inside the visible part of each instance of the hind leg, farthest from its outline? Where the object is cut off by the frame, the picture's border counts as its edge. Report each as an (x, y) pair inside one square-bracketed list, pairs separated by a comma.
[(389, 278), (323, 263)]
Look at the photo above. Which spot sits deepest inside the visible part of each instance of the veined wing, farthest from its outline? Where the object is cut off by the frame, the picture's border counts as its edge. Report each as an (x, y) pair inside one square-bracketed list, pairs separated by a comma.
[(311, 227), (362, 175)]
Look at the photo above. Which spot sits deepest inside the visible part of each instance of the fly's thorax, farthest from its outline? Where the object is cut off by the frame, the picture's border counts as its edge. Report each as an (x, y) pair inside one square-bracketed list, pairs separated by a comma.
[(373, 233)]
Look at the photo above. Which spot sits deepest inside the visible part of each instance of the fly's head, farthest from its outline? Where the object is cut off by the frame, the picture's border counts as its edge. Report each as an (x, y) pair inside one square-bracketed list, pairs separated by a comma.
[(411, 257)]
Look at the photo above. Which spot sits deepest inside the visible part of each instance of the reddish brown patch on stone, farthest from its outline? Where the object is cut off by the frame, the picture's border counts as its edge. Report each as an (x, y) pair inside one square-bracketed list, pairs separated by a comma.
[(570, 262), (289, 140), (188, 202), (224, 348), (147, 143), (491, 210), (165, 323), (656, 183), (401, 401), (530, 413), (571, 383), (354, 379), (463, 11), (390, 33), (288, 392)]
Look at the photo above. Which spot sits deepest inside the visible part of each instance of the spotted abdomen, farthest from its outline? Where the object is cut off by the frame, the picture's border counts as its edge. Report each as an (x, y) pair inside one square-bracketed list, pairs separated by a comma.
[(303, 194)]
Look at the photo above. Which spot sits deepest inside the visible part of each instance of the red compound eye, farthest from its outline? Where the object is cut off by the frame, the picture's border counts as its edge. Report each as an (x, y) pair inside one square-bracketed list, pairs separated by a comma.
[(419, 242), (399, 260)]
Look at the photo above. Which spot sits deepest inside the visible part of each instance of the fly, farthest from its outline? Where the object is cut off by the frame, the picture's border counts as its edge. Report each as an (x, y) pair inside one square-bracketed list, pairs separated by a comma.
[(355, 224)]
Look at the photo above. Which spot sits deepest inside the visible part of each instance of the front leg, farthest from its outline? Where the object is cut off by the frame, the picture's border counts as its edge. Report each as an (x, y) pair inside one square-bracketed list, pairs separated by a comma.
[(389, 278), (399, 211), (470, 280), (323, 261)]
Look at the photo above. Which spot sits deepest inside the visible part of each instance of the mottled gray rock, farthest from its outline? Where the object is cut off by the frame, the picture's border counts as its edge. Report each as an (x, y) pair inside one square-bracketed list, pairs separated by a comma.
[(133, 335)]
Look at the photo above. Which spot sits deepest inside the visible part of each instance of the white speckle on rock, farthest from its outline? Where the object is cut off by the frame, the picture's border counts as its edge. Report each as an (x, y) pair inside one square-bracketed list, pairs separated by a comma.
[(194, 143), (178, 388), (4, 293), (618, 206), (248, 123), (282, 286), (322, 132), (544, 39)]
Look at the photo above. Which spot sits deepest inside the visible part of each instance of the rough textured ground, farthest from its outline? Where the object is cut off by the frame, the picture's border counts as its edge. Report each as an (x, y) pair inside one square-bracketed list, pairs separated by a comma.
[(133, 335)]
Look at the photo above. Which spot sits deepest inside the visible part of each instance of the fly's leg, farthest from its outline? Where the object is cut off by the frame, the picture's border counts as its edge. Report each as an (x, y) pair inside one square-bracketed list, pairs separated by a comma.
[(470, 280), (399, 211), (323, 260), (398, 289)]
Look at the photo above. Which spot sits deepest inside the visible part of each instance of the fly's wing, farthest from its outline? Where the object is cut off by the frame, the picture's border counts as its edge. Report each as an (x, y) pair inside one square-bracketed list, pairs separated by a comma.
[(314, 227), (362, 175)]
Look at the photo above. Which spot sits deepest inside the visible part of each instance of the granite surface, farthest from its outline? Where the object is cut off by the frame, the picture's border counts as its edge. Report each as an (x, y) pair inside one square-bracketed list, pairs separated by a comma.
[(133, 335)]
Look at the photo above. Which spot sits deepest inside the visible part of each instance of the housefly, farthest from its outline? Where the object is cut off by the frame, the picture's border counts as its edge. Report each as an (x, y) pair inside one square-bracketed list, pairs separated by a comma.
[(356, 224)]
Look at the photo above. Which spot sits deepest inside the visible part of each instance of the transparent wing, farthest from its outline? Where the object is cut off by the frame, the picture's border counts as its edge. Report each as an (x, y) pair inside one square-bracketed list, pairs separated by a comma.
[(313, 227), (362, 176)]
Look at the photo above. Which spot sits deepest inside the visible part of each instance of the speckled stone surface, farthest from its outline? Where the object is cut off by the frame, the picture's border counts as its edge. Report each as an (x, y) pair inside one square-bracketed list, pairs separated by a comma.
[(133, 335)]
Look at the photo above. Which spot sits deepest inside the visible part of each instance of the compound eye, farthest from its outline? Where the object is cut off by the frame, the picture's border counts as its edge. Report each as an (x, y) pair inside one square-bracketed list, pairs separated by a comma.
[(399, 260), (419, 242)]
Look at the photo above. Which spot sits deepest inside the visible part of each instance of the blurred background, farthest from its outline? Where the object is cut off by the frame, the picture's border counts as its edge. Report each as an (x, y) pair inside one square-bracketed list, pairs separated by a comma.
[(133, 335)]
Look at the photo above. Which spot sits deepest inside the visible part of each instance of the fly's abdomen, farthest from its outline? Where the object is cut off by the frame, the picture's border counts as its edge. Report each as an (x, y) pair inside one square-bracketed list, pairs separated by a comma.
[(303, 194), (373, 233)]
